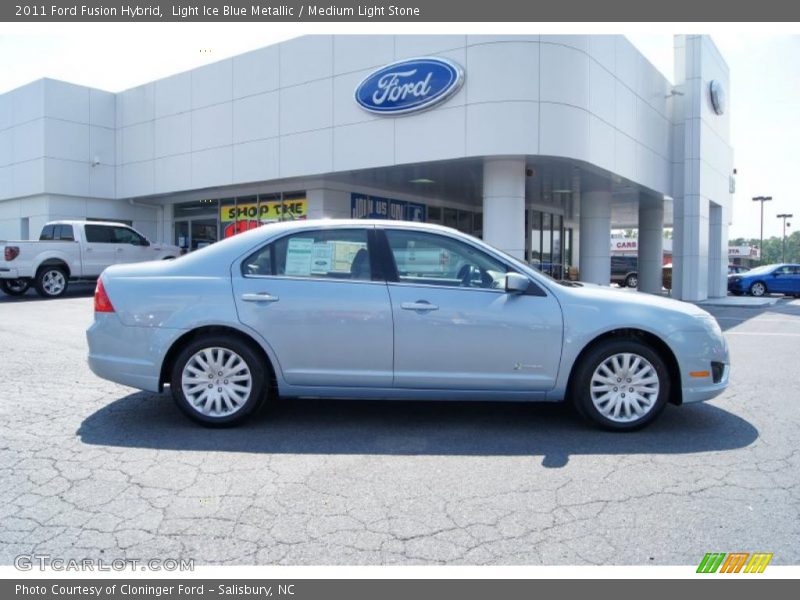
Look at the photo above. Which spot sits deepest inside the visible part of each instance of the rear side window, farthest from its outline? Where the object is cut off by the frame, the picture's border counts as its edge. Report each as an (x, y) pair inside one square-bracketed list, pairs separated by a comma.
[(99, 234), (47, 233), (327, 253)]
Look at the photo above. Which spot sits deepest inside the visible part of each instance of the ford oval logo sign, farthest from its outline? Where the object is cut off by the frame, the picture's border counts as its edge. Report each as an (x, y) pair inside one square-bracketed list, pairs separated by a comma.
[(409, 85)]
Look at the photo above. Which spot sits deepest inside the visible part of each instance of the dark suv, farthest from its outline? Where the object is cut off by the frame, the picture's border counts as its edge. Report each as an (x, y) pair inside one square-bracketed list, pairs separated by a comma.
[(624, 271)]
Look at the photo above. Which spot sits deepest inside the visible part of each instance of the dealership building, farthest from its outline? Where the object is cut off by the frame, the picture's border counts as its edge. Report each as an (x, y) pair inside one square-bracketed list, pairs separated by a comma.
[(541, 145)]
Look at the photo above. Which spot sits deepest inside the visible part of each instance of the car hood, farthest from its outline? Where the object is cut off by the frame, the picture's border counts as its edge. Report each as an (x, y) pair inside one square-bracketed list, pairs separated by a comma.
[(591, 292)]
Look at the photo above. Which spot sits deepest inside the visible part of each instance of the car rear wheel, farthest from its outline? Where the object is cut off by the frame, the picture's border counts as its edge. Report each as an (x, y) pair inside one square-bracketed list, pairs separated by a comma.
[(632, 281), (14, 287), (621, 385), (51, 282), (758, 289), (218, 381)]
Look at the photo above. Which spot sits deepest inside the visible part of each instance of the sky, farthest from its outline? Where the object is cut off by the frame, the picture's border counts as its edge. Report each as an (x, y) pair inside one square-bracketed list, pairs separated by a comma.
[(764, 97)]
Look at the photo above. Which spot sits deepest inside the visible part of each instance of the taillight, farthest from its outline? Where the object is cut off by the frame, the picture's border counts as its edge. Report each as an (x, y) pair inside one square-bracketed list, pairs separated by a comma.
[(11, 252), (101, 301)]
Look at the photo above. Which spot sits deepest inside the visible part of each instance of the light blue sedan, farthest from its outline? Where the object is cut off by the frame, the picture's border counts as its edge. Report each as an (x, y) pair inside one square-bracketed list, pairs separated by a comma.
[(393, 310)]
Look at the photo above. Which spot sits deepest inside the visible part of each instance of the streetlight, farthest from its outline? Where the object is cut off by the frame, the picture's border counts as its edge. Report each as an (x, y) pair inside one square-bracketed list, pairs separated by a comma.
[(762, 199), (784, 216)]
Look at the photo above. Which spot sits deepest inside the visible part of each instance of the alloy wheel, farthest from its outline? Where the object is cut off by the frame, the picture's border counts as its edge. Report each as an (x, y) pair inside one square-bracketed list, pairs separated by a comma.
[(216, 382), (54, 282), (624, 387)]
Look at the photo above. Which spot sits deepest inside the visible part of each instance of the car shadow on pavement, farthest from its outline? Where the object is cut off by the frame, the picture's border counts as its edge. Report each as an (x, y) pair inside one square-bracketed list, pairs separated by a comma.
[(553, 431)]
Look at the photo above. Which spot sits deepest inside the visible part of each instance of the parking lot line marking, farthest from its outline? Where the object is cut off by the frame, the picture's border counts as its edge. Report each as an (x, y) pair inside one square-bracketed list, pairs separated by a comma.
[(757, 333)]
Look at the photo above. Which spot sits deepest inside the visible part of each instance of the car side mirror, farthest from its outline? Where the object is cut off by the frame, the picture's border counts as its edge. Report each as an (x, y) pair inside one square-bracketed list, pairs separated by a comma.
[(145, 243), (516, 283)]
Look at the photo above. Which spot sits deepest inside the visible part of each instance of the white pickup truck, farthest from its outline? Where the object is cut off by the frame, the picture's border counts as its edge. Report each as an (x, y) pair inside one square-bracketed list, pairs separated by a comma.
[(72, 251)]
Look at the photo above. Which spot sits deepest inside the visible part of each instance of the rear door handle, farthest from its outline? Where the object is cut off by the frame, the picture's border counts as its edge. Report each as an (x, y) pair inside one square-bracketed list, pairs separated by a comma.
[(421, 305), (260, 297)]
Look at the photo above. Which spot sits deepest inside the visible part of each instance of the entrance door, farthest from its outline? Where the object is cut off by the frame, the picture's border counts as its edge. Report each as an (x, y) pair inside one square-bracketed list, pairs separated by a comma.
[(195, 233)]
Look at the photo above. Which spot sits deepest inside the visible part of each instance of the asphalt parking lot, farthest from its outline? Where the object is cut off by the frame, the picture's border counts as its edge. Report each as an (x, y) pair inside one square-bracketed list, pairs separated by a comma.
[(93, 469)]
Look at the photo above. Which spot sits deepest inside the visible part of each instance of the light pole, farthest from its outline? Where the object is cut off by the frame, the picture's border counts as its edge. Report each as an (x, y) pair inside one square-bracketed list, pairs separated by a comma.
[(761, 199), (784, 216)]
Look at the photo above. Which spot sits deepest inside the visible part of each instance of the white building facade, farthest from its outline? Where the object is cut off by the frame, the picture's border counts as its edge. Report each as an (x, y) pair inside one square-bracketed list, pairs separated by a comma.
[(543, 146)]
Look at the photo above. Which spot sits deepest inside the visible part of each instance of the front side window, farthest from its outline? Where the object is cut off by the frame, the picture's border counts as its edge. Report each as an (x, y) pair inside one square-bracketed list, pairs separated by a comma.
[(123, 235), (327, 253), (430, 259)]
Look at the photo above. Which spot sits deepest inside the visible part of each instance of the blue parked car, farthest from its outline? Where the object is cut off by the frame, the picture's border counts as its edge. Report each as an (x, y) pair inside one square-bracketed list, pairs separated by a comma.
[(769, 279)]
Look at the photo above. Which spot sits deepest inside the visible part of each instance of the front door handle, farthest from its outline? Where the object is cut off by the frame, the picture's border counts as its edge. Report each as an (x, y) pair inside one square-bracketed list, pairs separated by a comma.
[(260, 297), (421, 305)]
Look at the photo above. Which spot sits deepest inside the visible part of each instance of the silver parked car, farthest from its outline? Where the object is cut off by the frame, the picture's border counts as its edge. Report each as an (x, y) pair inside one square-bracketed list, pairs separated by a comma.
[(393, 310)]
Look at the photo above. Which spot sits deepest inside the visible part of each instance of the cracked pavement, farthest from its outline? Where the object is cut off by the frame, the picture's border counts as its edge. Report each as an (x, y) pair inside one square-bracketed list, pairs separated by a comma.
[(93, 469)]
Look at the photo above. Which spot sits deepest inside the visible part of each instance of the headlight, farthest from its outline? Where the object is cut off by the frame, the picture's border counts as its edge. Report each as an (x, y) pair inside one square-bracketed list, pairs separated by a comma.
[(711, 324)]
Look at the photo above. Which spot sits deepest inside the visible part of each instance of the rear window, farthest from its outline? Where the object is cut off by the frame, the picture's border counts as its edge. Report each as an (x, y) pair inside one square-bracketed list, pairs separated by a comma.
[(47, 233), (64, 233)]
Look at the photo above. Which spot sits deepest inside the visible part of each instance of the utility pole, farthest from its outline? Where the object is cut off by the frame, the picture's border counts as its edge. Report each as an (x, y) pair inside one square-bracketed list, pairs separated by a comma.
[(761, 199), (784, 216)]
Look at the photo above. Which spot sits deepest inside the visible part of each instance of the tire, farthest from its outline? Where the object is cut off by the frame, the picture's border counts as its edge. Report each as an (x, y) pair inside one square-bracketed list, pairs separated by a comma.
[(758, 289), (15, 287), (632, 280), (51, 282), (596, 395), (212, 399)]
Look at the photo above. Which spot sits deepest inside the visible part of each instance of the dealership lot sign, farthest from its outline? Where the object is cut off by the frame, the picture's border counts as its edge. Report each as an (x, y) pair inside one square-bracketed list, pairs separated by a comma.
[(409, 86)]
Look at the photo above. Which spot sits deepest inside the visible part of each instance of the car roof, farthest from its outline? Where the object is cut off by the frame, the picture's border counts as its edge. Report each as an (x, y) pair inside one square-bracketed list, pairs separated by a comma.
[(78, 222)]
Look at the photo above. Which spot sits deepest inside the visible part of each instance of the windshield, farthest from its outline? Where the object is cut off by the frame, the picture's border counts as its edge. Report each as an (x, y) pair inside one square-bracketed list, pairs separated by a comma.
[(761, 270)]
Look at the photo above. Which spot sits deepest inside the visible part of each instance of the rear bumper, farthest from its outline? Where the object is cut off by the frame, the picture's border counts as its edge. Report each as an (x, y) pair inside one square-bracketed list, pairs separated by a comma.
[(130, 356)]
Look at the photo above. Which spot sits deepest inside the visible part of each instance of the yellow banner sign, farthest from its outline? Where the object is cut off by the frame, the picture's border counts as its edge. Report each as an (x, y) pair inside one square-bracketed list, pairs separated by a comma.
[(297, 208)]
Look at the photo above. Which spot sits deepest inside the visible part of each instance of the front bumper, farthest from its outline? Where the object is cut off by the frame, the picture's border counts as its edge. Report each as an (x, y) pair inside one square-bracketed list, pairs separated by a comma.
[(737, 286), (131, 356), (697, 352)]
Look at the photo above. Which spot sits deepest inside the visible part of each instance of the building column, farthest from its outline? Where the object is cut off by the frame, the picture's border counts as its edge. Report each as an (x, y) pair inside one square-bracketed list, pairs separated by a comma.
[(690, 248), (717, 252), (165, 227), (651, 244), (504, 205), (595, 233)]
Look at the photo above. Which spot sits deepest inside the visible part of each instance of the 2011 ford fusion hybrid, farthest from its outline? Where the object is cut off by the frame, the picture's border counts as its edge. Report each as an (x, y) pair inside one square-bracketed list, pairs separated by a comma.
[(393, 310)]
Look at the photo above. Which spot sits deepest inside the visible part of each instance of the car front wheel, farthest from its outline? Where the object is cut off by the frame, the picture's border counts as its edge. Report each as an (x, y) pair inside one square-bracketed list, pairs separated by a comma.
[(218, 381), (758, 289), (632, 281), (621, 385)]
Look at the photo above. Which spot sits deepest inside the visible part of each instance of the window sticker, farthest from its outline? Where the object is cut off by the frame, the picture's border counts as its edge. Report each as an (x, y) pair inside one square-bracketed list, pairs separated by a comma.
[(298, 257), (322, 258)]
